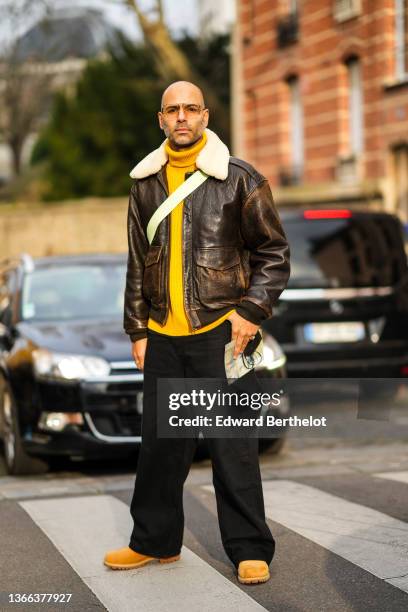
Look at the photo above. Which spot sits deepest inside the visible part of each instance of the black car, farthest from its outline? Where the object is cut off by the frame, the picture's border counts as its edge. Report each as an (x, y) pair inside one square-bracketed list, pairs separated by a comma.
[(68, 383), (345, 310)]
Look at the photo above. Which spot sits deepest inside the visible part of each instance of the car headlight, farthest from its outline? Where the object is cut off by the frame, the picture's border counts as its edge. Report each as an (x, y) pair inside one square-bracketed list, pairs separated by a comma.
[(58, 421), (273, 356), (68, 367)]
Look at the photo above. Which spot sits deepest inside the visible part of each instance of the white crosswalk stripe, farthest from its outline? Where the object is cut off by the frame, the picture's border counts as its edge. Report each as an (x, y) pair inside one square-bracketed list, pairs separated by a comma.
[(84, 528), (374, 541), (397, 476)]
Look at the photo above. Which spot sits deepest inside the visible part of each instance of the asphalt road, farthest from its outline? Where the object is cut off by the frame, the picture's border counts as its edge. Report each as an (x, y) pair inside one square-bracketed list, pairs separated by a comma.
[(337, 507)]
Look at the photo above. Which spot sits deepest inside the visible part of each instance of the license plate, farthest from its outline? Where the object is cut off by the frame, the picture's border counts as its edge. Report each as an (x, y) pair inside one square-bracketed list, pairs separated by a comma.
[(352, 331)]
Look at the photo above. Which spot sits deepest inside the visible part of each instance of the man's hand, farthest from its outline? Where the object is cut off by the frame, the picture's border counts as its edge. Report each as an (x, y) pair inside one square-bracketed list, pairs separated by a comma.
[(138, 352), (243, 331)]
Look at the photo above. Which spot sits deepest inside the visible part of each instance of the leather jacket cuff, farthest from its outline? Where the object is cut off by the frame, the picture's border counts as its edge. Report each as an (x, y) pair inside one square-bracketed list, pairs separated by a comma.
[(251, 312), (138, 335)]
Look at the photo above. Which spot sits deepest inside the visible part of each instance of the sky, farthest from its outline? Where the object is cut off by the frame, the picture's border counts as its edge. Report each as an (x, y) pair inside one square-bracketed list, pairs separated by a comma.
[(180, 15)]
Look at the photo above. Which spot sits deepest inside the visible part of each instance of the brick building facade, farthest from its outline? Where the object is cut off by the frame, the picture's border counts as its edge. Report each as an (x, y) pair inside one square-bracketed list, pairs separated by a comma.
[(320, 94)]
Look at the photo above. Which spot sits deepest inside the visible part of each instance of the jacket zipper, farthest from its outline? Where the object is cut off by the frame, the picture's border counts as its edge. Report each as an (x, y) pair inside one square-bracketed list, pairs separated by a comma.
[(168, 271), (192, 328), (182, 271), (163, 183)]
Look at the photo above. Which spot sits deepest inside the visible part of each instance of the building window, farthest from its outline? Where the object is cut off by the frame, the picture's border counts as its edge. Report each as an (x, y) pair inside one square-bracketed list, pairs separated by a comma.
[(400, 179), (288, 25), (293, 174), (346, 9), (355, 106), (401, 35)]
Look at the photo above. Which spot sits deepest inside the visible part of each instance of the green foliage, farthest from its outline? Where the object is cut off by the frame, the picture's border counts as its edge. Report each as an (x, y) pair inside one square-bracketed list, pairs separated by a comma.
[(95, 136)]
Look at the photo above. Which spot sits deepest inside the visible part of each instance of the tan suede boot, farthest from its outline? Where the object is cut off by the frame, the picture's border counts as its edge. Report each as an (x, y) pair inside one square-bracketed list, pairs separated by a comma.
[(252, 572), (126, 558)]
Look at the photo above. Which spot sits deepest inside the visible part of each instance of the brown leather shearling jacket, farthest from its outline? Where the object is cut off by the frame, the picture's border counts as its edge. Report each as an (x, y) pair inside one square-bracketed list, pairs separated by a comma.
[(235, 253)]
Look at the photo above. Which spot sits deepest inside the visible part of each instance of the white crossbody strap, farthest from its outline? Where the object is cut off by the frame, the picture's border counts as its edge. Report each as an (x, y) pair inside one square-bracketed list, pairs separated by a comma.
[(194, 181)]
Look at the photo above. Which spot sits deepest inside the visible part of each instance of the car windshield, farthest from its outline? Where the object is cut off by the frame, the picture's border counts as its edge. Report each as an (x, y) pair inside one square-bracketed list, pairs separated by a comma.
[(74, 291), (365, 251)]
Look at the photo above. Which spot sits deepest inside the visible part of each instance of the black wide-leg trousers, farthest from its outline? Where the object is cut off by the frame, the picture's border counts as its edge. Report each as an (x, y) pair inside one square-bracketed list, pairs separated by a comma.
[(164, 463)]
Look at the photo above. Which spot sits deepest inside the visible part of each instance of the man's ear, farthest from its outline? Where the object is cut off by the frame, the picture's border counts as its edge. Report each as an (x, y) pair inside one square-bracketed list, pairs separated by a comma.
[(160, 117), (206, 117)]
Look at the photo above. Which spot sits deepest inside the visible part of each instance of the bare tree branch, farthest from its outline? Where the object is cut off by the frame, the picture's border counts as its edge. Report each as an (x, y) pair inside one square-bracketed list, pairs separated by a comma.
[(171, 62), (25, 87), (160, 10)]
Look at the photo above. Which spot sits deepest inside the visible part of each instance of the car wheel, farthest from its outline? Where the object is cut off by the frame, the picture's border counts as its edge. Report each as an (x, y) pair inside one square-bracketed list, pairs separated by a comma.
[(272, 446), (16, 459)]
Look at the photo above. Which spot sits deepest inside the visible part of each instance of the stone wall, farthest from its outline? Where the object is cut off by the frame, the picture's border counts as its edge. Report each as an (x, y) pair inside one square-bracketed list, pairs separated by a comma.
[(91, 225)]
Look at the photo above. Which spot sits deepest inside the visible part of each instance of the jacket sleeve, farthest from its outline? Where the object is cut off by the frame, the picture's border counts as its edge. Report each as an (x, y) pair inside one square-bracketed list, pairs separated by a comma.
[(136, 308), (269, 261)]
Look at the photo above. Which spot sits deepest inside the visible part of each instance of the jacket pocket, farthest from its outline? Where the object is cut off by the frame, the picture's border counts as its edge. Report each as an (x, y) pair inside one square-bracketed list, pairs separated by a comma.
[(152, 275), (219, 278)]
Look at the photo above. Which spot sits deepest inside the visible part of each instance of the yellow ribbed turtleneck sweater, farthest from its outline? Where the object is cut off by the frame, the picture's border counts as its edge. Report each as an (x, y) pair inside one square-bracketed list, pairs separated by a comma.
[(177, 324)]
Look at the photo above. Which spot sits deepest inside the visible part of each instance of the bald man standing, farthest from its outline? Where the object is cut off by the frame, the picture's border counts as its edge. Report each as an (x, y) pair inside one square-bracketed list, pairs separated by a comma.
[(214, 269)]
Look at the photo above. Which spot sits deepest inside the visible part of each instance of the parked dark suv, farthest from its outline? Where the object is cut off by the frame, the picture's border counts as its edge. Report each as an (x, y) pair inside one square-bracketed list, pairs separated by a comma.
[(345, 310), (68, 383)]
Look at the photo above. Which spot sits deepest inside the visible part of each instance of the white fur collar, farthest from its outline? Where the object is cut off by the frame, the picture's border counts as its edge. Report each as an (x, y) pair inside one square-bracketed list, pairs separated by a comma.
[(213, 159)]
